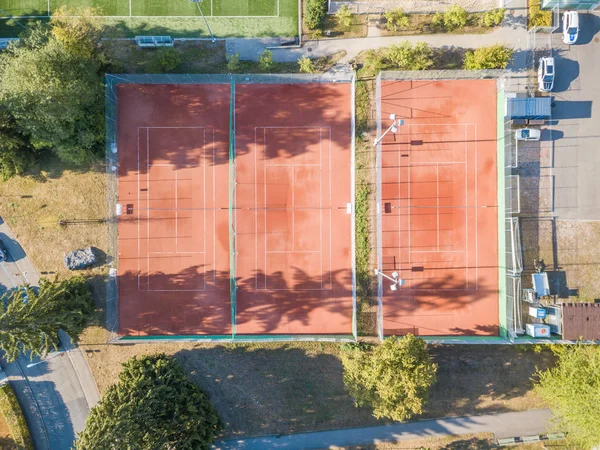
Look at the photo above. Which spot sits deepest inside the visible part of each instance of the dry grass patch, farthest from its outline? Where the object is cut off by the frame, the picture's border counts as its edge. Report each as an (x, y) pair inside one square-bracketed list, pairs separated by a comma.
[(33, 205), (280, 388), (6, 440)]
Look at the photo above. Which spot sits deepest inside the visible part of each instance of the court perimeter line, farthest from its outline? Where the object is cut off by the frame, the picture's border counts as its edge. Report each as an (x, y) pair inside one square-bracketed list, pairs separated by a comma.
[(265, 166)]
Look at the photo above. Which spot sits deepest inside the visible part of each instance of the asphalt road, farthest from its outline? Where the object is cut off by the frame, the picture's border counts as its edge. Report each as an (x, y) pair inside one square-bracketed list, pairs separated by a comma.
[(576, 114), (56, 394)]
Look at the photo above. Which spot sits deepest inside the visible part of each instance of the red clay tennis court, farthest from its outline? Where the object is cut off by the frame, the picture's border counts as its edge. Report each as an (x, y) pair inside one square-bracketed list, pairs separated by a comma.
[(439, 223), (274, 217)]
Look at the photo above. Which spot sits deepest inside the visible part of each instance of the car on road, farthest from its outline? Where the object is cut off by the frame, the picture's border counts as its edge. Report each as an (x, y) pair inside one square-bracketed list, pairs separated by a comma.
[(546, 74), (3, 251), (570, 27), (528, 134)]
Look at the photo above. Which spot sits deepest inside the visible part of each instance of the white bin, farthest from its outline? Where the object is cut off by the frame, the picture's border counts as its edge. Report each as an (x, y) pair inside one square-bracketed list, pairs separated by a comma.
[(537, 330)]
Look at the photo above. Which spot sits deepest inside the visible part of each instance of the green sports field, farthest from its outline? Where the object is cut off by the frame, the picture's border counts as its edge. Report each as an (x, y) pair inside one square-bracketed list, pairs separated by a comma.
[(177, 18), (150, 8)]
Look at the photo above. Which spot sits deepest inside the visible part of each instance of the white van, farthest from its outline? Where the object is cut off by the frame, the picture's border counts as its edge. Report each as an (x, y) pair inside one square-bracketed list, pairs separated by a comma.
[(570, 27)]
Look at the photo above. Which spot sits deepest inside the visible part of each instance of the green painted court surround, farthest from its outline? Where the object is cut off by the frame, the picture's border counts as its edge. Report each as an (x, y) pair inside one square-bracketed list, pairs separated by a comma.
[(152, 8)]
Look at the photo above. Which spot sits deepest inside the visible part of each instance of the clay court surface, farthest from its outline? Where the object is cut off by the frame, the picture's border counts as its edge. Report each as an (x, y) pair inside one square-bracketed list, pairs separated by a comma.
[(439, 207), (293, 260)]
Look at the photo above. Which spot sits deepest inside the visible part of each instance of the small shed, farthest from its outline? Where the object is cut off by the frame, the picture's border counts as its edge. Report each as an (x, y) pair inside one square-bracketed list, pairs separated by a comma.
[(532, 108), (581, 321)]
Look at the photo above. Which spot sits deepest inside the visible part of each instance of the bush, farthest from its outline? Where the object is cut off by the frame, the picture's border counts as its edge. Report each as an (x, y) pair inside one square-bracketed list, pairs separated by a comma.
[(456, 17), (572, 390), (406, 57), (265, 62), (492, 57), (314, 14), (373, 63), (306, 65), (167, 59), (493, 18), (393, 378), (396, 19), (233, 63), (437, 21), (13, 415), (344, 17), (537, 17)]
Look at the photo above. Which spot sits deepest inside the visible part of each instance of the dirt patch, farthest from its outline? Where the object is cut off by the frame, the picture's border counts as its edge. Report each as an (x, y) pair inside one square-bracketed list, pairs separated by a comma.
[(279, 388), (6, 440)]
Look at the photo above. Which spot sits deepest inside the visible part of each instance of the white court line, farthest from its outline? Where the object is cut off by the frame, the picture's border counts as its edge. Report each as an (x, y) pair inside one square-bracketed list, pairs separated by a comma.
[(148, 208), (138, 208), (176, 209), (321, 203), (130, 14), (255, 215), (295, 251), (214, 212), (477, 216), (293, 165), (466, 209), (437, 197)]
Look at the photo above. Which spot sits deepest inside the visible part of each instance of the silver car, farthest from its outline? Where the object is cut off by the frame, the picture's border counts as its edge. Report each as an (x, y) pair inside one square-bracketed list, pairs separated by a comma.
[(546, 74)]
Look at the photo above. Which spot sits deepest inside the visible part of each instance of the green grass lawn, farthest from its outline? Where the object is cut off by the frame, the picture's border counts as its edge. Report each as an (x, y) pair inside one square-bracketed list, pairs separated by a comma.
[(137, 8), (227, 18)]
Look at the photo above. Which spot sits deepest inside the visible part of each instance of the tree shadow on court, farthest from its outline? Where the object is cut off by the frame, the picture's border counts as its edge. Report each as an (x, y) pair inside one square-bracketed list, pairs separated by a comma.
[(198, 302), (275, 388), (271, 120), (437, 296)]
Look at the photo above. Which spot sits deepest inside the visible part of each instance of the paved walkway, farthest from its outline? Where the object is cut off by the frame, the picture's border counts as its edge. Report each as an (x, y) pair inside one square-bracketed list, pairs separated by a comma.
[(513, 33), (56, 394), (512, 424)]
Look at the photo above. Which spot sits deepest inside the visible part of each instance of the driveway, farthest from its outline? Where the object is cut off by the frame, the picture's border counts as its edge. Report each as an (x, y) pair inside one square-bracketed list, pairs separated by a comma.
[(56, 394), (576, 115)]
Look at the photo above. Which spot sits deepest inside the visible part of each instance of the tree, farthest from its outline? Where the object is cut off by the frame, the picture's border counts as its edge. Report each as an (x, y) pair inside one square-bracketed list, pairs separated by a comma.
[(315, 13), (79, 30), (572, 390), (344, 17), (265, 62), (455, 17), (30, 321), (406, 57), (396, 19), (154, 405), (493, 57), (493, 18), (55, 95), (393, 378), (233, 62), (306, 65), (15, 153)]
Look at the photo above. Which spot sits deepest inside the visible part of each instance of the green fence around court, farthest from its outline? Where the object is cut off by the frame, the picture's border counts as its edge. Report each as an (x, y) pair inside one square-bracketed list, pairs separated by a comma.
[(112, 298)]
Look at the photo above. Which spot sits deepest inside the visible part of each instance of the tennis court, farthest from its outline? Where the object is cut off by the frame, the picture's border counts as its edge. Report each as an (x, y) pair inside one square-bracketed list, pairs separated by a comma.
[(150, 8), (438, 225), (235, 217)]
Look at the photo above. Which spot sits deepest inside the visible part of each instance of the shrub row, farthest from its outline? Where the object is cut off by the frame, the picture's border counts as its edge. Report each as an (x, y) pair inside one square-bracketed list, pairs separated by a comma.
[(11, 410)]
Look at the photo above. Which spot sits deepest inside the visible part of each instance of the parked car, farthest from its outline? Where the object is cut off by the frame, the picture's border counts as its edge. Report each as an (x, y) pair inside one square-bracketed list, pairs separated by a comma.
[(528, 134), (570, 27), (546, 74), (3, 251)]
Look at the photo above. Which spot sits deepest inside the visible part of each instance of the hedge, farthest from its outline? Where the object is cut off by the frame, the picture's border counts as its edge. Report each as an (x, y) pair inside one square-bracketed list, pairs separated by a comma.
[(11, 410)]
